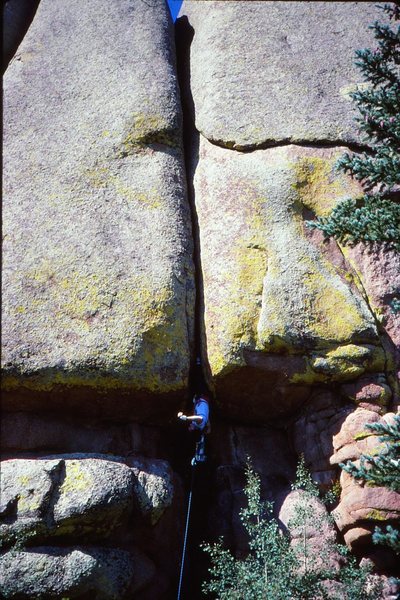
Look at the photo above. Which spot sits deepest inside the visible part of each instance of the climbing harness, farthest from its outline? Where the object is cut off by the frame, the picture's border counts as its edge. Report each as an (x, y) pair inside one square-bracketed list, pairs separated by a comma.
[(199, 457)]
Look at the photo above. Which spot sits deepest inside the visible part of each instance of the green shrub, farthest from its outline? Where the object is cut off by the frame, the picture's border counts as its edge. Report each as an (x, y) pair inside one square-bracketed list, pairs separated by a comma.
[(274, 569), (370, 219)]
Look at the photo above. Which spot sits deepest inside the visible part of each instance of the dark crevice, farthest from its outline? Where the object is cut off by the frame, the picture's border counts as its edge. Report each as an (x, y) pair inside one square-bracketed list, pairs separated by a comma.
[(17, 17), (196, 563), (183, 39), (9, 514), (57, 476), (230, 145)]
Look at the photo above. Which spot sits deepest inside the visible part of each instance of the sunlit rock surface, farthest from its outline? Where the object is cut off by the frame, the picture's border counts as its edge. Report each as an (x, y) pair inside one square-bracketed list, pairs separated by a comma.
[(362, 506), (57, 513), (97, 255), (297, 333), (80, 495), (277, 72), (279, 315)]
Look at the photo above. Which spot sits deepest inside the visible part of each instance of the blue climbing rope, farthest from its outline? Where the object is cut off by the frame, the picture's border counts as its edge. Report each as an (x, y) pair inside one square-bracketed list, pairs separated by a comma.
[(186, 531)]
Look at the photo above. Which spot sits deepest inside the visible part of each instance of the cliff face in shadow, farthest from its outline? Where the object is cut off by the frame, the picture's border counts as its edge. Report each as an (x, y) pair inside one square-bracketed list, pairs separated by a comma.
[(155, 203)]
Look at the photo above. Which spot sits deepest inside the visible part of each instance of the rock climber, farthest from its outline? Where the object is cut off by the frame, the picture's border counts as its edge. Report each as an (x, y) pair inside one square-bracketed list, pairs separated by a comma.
[(199, 422)]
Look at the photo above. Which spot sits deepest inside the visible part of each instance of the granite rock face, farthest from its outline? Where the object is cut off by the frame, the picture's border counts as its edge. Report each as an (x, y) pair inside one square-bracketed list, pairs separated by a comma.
[(48, 572), (295, 329), (313, 432), (153, 487), (275, 304), (57, 512), (80, 495), (97, 267), (284, 311), (379, 274), (262, 74), (362, 507), (299, 342)]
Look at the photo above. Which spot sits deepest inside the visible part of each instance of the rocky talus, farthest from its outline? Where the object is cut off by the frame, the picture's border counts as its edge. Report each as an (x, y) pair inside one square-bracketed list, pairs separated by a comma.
[(157, 188)]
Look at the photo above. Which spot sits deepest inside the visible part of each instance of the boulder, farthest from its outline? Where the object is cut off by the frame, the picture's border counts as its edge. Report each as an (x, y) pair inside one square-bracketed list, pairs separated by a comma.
[(78, 499), (64, 496), (272, 72), (312, 533), (50, 572), (371, 392), (354, 438), (97, 270), (362, 506), (153, 486), (28, 490), (96, 495), (278, 315)]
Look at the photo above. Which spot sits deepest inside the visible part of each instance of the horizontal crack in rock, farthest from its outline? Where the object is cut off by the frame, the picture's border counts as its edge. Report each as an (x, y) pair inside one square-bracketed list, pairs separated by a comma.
[(231, 145)]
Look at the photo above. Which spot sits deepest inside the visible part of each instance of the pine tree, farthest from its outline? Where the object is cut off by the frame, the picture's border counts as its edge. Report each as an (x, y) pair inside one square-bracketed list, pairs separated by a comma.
[(382, 470), (375, 217)]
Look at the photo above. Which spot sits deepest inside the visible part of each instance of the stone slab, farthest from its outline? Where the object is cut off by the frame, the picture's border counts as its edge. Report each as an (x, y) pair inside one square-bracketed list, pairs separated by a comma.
[(97, 268), (267, 72)]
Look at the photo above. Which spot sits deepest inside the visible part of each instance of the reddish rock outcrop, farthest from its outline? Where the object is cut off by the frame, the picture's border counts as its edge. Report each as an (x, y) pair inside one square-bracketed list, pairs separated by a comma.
[(362, 507)]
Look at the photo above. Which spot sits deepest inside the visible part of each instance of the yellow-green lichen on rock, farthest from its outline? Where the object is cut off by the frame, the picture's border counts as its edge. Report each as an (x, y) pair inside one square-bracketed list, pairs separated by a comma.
[(65, 496), (319, 184), (98, 246), (268, 289), (242, 284), (146, 129)]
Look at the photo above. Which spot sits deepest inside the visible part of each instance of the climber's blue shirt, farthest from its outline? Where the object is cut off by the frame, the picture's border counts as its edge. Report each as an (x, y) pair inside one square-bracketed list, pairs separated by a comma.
[(201, 409)]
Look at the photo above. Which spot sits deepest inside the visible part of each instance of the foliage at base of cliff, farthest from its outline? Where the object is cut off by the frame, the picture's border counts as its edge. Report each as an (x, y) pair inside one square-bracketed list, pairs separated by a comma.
[(277, 569)]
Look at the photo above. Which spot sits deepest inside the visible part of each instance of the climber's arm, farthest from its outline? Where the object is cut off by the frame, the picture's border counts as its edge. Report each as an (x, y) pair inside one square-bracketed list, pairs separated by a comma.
[(195, 418)]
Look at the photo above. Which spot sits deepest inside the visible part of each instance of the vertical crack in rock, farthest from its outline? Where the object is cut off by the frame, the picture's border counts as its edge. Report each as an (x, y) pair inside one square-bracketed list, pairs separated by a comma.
[(195, 564), (183, 38), (57, 475)]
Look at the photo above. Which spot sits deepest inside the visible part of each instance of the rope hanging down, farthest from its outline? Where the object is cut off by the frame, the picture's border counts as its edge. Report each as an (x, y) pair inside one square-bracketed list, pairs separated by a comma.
[(186, 533), (199, 457)]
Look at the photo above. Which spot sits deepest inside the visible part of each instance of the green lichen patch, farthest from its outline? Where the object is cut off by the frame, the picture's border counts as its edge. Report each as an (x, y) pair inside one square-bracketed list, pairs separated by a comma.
[(318, 183), (146, 130)]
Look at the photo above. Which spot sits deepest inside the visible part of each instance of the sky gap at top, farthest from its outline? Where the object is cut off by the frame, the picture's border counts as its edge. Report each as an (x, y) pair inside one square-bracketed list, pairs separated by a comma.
[(174, 6)]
